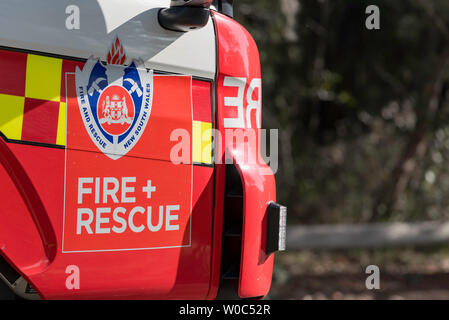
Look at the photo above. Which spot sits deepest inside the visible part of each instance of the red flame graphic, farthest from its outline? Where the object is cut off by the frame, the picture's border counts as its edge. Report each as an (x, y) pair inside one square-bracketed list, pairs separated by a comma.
[(116, 54)]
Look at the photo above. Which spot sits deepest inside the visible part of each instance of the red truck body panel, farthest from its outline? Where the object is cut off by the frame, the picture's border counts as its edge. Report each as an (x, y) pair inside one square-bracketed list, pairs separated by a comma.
[(238, 58)]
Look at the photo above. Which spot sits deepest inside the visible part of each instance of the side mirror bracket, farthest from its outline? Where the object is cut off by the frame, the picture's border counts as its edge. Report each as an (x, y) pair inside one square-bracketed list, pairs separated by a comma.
[(184, 16)]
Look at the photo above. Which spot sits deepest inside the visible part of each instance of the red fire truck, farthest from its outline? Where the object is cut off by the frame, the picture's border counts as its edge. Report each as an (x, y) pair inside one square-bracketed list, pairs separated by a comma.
[(130, 153)]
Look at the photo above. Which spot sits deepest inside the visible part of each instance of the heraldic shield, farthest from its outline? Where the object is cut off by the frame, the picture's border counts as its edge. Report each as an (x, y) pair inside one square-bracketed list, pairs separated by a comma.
[(115, 101)]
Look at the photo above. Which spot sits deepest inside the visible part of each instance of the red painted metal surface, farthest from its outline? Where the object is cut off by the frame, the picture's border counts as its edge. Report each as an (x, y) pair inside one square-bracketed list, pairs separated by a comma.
[(40, 120), (238, 71), (24, 211), (32, 193), (12, 82)]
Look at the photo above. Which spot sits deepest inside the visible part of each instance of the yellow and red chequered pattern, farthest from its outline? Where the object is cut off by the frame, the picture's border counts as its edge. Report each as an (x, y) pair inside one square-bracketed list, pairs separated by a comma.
[(202, 122), (33, 102), (32, 97)]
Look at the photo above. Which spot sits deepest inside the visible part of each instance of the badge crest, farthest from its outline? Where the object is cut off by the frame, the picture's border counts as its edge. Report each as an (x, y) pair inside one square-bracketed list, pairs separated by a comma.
[(115, 101)]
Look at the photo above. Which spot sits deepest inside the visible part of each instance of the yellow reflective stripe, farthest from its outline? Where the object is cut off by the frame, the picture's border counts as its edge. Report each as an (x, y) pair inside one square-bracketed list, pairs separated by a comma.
[(206, 143), (202, 142), (11, 116), (43, 78), (61, 135)]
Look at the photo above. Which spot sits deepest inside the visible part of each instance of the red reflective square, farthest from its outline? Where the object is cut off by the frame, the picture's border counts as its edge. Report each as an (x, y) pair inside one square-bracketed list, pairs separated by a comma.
[(202, 109), (12, 72), (40, 120), (68, 66)]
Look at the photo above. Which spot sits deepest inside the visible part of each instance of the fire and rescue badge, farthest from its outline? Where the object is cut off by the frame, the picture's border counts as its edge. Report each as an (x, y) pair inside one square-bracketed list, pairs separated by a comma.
[(115, 101)]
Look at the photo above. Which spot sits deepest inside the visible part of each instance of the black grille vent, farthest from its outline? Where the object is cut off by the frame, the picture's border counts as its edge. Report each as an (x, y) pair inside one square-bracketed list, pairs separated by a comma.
[(232, 234)]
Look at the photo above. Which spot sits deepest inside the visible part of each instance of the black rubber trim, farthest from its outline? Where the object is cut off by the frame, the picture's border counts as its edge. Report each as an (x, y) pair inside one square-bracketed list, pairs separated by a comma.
[(215, 123), (7, 271), (42, 53), (53, 55), (31, 143), (206, 165)]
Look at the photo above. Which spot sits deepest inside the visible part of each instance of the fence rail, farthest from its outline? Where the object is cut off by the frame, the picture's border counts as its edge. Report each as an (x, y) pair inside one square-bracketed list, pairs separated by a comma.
[(375, 235)]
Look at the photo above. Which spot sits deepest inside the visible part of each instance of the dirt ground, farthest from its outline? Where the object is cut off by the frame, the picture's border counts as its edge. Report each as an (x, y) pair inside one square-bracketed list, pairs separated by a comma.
[(404, 274)]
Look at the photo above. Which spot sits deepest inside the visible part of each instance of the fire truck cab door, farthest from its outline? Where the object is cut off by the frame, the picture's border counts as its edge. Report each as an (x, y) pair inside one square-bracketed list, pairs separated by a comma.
[(115, 137)]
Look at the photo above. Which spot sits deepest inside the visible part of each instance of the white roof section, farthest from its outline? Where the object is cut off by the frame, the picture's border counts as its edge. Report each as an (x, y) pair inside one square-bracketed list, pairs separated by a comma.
[(40, 25)]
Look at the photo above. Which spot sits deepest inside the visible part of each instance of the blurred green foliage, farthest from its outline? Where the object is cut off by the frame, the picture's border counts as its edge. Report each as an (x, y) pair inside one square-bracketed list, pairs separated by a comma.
[(363, 115)]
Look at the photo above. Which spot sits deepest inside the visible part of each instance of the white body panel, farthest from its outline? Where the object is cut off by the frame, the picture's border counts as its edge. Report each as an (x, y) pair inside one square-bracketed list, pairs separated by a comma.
[(40, 25)]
